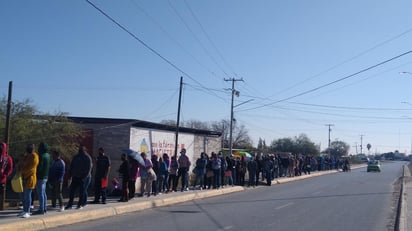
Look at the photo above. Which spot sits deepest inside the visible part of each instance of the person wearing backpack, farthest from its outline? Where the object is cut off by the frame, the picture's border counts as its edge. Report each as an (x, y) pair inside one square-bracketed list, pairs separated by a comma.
[(200, 171), (216, 164), (223, 168)]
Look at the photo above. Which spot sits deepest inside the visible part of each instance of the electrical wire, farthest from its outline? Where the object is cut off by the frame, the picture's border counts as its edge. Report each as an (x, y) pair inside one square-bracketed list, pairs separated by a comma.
[(348, 60), (340, 64), (144, 44), (207, 36), (197, 39), (351, 108), (168, 100), (333, 82), (362, 80), (173, 39)]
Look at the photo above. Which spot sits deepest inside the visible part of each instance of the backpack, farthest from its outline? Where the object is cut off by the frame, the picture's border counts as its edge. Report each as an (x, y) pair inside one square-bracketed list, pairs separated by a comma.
[(224, 164)]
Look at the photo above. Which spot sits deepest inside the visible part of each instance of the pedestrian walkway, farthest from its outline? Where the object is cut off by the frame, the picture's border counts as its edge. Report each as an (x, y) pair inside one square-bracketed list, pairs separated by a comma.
[(405, 218), (53, 218)]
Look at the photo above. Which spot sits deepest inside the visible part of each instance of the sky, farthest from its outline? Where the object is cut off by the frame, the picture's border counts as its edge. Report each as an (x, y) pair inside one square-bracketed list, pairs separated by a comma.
[(299, 66)]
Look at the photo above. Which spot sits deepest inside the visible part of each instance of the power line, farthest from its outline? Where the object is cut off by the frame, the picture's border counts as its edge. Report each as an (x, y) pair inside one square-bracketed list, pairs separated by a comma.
[(344, 62), (207, 36), (209, 90), (350, 59), (174, 40), (346, 115), (168, 100), (362, 80), (333, 82), (352, 108), (144, 44), (196, 38)]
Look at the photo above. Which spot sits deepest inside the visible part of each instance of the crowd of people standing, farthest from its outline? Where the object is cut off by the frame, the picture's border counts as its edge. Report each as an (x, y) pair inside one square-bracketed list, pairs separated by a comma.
[(158, 174)]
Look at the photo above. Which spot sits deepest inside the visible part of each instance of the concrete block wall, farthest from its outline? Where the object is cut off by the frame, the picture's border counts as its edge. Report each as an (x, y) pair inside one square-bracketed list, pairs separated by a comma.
[(113, 138)]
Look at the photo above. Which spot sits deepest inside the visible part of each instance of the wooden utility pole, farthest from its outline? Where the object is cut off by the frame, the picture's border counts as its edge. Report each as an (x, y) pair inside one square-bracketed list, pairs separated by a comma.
[(361, 145), (234, 92), (329, 125), (178, 116)]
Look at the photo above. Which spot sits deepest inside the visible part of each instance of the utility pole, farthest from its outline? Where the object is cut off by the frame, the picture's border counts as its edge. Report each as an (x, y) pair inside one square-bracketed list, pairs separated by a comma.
[(234, 92), (329, 125), (356, 146), (6, 140), (361, 139), (411, 147), (178, 116)]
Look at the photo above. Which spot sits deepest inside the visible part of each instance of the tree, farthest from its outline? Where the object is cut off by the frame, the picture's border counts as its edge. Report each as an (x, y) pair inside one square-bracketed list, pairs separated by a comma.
[(241, 139), (305, 146), (240, 135), (369, 146), (196, 124), (297, 145), (338, 148), (283, 145), (261, 147), (168, 122), (223, 127), (28, 126)]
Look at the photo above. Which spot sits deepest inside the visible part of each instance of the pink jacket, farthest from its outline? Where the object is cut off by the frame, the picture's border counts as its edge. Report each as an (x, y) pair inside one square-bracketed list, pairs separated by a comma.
[(6, 164)]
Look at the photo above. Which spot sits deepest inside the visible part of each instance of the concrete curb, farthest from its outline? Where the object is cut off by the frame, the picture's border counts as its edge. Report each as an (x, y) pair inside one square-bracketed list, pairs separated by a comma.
[(402, 218), (77, 216), (67, 218)]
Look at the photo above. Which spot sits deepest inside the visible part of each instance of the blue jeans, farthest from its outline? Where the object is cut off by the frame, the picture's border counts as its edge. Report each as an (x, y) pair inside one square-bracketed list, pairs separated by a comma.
[(77, 184), (41, 194), (216, 178), (85, 190), (199, 177), (27, 200), (183, 173)]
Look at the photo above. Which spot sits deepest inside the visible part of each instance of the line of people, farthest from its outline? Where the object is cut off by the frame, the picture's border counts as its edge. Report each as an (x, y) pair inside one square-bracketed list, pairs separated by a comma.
[(157, 174), (38, 170)]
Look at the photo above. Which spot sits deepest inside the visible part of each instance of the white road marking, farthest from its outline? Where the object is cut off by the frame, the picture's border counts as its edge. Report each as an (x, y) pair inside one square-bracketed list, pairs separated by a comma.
[(284, 206), (226, 228)]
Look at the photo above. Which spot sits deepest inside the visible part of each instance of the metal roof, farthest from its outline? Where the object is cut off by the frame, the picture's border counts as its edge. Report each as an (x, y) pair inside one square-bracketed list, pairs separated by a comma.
[(141, 124)]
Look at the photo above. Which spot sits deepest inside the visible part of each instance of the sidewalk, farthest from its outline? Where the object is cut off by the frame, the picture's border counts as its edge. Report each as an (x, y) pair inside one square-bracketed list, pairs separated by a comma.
[(405, 218), (53, 218)]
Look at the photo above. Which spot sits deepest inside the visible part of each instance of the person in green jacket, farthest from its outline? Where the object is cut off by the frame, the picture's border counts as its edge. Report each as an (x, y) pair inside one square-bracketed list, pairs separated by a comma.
[(42, 175)]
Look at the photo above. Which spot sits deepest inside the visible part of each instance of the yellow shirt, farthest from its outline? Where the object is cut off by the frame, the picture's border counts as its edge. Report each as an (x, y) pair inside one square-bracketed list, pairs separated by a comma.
[(27, 167)]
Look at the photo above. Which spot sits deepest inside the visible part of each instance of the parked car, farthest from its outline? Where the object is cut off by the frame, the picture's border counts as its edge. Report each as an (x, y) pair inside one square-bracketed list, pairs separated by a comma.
[(374, 166)]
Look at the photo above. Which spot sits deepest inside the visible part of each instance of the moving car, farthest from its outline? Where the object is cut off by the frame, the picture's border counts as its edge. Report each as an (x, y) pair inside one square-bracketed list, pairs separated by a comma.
[(374, 165)]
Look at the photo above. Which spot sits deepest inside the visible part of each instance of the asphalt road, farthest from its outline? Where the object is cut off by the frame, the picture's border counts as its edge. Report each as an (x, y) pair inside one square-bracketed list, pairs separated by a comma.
[(344, 201)]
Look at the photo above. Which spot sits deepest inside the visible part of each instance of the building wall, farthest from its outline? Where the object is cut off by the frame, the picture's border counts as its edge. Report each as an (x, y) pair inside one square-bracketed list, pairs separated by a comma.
[(206, 144), (115, 138)]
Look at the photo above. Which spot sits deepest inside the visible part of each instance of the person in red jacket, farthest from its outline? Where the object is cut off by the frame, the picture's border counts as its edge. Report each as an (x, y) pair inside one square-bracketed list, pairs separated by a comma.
[(6, 166)]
